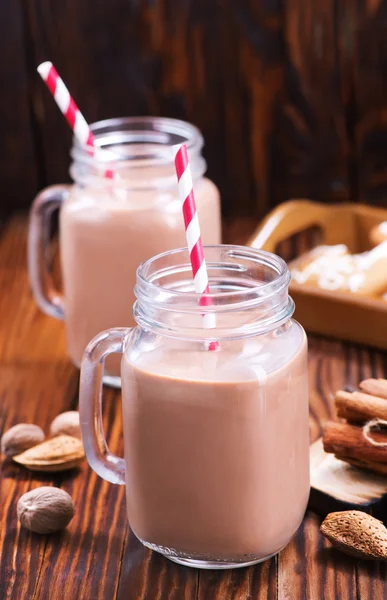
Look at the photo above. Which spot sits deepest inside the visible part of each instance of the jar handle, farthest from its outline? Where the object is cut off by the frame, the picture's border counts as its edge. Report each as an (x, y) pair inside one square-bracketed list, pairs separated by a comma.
[(102, 461), (45, 203)]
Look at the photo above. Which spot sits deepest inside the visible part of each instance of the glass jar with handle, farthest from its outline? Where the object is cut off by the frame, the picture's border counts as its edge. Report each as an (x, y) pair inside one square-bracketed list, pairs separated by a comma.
[(109, 225), (216, 461)]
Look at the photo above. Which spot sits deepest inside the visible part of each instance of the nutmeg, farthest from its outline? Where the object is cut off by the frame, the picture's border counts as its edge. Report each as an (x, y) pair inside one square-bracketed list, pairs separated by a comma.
[(66, 423), (21, 437), (45, 509)]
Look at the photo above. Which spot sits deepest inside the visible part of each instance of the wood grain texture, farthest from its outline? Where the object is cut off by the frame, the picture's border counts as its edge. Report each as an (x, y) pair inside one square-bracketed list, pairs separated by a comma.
[(172, 59), (18, 162), (290, 96), (310, 137), (97, 529), (97, 557), (260, 79), (363, 41)]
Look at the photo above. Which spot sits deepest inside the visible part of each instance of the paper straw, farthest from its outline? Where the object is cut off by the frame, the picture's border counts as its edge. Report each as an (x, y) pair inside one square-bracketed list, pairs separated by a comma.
[(194, 240), (69, 109)]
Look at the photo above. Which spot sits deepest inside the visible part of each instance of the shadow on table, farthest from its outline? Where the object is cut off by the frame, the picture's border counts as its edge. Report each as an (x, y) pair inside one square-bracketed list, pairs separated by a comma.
[(146, 575), (331, 556), (11, 470)]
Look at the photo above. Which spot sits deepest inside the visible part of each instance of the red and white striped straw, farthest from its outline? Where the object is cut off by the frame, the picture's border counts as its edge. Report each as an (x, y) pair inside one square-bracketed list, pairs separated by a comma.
[(194, 240), (67, 106)]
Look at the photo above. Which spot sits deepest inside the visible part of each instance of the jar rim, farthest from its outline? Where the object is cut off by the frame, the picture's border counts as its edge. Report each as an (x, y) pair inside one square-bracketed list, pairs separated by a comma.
[(164, 131), (278, 265), (127, 145), (253, 297)]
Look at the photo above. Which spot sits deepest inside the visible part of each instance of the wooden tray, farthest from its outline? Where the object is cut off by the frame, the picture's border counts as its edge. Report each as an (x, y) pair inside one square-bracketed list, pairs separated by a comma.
[(342, 315)]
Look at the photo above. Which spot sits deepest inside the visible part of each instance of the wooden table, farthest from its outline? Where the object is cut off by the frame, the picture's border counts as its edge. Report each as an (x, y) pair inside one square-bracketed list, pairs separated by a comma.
[(97, 557)]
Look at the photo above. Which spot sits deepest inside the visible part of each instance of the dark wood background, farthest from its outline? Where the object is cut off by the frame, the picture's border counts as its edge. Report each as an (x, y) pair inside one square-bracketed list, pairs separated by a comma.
[(291, 95)]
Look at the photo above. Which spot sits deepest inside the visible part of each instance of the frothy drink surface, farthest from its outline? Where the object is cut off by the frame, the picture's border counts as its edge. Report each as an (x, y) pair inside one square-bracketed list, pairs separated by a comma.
[(103, 240), (217, 445)]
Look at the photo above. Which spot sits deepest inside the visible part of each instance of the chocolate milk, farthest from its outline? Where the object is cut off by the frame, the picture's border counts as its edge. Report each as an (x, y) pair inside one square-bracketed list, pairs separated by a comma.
[(217, 446), (103, 240)]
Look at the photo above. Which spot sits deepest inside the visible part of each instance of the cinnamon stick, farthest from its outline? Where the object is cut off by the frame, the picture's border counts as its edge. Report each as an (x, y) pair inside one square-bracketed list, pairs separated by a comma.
[(375, 387), (347, 442), (358, 407)]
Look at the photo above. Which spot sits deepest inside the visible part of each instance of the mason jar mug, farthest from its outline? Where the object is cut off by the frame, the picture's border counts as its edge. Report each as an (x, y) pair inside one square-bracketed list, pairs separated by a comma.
[(122, 209), (215, 421)]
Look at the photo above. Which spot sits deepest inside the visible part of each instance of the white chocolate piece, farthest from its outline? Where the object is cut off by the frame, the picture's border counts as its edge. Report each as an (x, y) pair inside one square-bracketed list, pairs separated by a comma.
[(309, 266), (364, 274), (378, 234)]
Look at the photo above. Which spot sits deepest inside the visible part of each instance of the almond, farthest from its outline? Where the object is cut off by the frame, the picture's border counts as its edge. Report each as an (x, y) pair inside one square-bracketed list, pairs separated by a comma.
[(356, 533), (58, 454), (21, 437), (67, 423), (45, 509)]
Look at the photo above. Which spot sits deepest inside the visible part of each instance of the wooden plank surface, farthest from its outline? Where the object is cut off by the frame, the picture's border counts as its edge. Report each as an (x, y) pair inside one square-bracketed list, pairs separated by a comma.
[(311, 139), (260, 79), (362, 37), (97, 557), (290, 95), (18, 160)]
